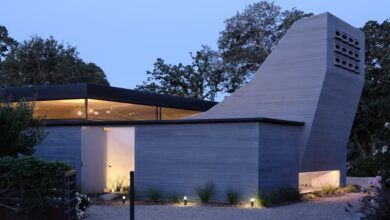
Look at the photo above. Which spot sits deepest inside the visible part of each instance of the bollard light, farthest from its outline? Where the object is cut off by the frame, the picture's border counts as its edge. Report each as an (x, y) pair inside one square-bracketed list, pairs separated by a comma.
[(185, 200), (252, 202), (123, 199)]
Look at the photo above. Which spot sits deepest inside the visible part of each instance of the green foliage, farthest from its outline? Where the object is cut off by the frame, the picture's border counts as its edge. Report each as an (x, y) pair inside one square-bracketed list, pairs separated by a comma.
[(19, 130), (174, 198), (6, 42), (46, 61), (327, 190), (35, 178), (330, 190), (370, 133), (205, 192), (201, 79), (232, 196), (243, 45), (154, 194), (278, 196), (249, 37)]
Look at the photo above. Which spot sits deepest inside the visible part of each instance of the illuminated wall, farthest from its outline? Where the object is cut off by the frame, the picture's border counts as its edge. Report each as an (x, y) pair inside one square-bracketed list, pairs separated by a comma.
[(319, 179), (120, 157)]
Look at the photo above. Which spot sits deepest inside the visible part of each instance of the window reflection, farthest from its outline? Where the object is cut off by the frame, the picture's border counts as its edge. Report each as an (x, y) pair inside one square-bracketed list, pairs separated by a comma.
[(108, 110), (174, 113), (61, 109)]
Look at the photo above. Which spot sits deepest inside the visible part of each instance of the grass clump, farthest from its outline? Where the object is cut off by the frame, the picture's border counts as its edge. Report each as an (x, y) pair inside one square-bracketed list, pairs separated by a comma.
[(350, 188), (278, 196), (174, 198), (154, 194), (331, 190), (205, 192), (232, 196)]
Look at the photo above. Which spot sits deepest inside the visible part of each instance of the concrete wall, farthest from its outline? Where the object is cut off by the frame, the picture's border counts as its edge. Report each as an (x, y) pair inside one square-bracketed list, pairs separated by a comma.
[(63, 144), (178, 158), (299, 81), (246, 157), (278, 155), (94, 159)]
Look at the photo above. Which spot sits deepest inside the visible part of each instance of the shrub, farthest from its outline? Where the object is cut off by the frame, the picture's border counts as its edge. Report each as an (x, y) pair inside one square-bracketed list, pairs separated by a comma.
[(328, 190), (20, 130), (154, 194), (174, 198), (205, 192), (278, 196), (119, 184), (232, 196), (350, 188), (375, 204), (34, 177), (83, 201)]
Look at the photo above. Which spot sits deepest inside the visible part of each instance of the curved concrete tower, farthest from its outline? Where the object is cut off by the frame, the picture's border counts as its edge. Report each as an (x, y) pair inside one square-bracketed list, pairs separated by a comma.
[(315, 75)]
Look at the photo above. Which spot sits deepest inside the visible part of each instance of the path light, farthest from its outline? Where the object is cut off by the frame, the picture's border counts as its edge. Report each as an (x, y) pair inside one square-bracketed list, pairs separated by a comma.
[(123, 199), (185, 200), (252, 202)]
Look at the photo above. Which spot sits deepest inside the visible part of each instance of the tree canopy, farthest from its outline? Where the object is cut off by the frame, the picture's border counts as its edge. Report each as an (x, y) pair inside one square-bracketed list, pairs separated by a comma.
[(44, 61), (19, 130), (371, 130), (243, 45), (201, 79)]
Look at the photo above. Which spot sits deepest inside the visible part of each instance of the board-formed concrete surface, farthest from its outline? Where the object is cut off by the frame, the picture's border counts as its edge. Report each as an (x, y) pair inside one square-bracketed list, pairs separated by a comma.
[(315, 75)]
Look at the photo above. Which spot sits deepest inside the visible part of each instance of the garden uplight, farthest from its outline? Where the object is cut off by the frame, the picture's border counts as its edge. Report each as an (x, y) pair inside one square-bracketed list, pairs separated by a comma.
[(123, 199), (252, 202), (185, 200)]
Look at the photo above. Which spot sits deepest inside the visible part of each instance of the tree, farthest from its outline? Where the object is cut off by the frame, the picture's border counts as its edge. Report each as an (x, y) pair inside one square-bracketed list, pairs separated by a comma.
[(202, 79), (19, 130), (248, 38), (45, 61), (371, 129), (6, 42)]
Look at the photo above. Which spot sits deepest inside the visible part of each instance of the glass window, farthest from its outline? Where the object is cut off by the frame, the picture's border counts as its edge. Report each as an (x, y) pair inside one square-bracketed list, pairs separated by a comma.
[(174, 113), (108, 110), (61, 109)]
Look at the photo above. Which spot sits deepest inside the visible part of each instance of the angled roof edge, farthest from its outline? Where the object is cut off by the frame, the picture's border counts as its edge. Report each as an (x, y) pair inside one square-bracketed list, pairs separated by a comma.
[(162, 122)]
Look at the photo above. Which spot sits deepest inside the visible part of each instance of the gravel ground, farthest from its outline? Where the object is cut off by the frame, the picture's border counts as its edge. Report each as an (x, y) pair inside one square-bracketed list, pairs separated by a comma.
[(321, 209)]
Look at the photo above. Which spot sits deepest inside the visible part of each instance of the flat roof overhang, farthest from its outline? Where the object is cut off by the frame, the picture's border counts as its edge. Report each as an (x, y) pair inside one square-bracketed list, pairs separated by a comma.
[(108, 93)]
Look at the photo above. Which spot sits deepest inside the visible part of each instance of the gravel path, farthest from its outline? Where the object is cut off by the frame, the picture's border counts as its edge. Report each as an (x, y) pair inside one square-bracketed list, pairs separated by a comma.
[(322, 209)]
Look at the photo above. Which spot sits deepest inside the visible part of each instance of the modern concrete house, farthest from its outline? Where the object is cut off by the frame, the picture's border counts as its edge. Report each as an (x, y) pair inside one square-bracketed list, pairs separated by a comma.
[(288, 127)]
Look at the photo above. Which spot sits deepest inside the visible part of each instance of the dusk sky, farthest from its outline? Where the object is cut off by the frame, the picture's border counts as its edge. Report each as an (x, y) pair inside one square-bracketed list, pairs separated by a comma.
[(125, 37)]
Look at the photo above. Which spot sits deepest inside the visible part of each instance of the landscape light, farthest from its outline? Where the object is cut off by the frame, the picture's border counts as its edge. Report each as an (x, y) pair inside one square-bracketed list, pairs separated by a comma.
[(252, 202), (185, 200), (123, 199)]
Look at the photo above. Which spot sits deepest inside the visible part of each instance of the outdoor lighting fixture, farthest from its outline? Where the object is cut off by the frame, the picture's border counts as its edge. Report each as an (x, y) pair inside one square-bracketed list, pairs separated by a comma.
[(79, 113), (123, 199), (185, 200), (96, 113), (252, 202), (108, 111)]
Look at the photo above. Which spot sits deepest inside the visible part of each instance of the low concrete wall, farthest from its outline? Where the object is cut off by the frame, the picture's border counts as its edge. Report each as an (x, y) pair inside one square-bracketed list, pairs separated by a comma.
[(278, 155), (179, 158), (62, 144)]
